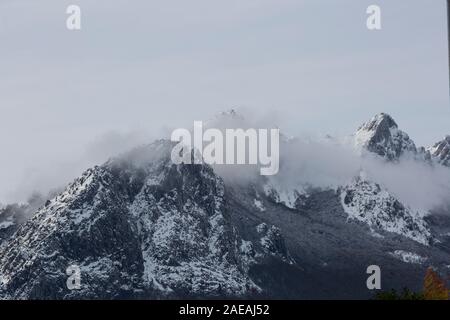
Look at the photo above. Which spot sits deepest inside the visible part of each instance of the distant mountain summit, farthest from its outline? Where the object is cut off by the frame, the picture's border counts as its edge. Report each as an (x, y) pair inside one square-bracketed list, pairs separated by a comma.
[(381, 136)]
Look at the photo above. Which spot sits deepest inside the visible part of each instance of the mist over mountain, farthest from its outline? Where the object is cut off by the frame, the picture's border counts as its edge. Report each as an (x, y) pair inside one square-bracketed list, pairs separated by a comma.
[(384, 153), (139, 226)]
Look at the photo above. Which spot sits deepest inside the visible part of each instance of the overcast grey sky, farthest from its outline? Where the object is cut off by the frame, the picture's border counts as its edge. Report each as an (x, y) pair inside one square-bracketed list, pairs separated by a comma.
[(69, 98)]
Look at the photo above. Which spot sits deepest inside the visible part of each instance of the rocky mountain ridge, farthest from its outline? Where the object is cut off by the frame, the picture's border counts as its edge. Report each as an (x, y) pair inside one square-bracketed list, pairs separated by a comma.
[(139, 226)]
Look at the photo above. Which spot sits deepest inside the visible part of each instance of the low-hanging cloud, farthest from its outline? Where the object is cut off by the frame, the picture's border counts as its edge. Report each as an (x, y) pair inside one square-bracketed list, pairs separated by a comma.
[(305, 161), (53, 171), (328, 162), (324, 164)]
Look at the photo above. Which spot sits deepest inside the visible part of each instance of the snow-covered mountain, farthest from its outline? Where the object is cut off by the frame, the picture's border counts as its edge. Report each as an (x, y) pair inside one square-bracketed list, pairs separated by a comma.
[(140, 226), (381, 136), (375, 205), (369, 203), (440, 151), (137, 226)]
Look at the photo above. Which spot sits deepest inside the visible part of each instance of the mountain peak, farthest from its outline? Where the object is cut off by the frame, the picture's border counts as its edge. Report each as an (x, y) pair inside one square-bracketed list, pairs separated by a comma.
[(380, 122), (380, 135), (230, 114), (441, 151)]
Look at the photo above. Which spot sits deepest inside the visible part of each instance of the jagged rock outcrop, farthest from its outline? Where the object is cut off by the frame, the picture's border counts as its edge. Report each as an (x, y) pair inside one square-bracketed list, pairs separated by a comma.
[(15, 214), (381, 136)]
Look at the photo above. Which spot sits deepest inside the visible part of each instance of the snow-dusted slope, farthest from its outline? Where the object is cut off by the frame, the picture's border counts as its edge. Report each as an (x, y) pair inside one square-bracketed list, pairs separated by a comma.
[(13, 215), (136, 229), (369, 203), (409, 257), (140, 227), (440, 151)]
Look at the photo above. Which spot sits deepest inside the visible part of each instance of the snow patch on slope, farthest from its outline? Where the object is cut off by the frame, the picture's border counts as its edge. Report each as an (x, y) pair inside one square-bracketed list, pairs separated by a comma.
[(289, 197), (273, 242), (408, 257)]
